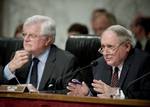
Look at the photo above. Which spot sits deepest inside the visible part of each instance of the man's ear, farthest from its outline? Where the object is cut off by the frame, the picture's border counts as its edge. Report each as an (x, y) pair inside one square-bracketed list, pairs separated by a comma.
[(128, 46), (49, 41)]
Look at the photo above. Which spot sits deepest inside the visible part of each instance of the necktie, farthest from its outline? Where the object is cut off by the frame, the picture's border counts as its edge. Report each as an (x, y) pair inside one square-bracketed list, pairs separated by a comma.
[(114, 79), (34, 72)]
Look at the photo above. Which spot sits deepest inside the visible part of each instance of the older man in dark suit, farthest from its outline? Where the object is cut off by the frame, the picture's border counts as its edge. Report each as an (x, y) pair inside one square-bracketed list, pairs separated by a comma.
[(40, 63), (120, 65)]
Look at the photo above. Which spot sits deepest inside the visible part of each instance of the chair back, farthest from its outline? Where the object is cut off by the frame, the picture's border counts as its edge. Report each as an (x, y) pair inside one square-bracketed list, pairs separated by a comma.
[(85, 48), (7, 47)]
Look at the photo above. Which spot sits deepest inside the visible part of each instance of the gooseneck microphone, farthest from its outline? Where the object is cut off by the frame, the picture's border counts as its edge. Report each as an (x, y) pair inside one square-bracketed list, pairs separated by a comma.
[(93, 63), (135, 81), (17, 80), (54, 82)]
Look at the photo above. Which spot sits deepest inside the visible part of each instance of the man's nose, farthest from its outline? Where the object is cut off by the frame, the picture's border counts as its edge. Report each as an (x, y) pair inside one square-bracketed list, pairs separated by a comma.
[(27, 38)]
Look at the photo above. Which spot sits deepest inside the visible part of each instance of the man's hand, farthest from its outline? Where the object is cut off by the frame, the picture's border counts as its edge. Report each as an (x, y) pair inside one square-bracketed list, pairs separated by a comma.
[(105, 90), (21, 57), (77, 89)]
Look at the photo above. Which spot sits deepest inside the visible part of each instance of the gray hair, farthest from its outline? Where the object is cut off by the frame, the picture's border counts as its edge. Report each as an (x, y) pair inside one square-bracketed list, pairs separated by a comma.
[(48, 26), (123, 33)]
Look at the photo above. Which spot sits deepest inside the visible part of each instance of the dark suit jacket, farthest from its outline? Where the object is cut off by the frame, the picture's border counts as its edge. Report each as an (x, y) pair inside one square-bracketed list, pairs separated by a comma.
[(58, 71), (136, 64), (147, 46)]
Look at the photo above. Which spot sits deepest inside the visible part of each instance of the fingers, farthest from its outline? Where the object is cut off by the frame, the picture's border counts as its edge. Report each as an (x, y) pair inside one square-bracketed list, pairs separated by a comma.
[(21, 57), (72, 86), (22, 52), (99, 90), (70, 93), (73, 94), (77, 89), (84, 84), (103, 96), (99, 86), (98, 82), (74, 89)]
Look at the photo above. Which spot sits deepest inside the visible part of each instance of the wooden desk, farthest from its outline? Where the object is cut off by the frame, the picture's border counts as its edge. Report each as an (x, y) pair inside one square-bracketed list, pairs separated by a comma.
[(55, 100)]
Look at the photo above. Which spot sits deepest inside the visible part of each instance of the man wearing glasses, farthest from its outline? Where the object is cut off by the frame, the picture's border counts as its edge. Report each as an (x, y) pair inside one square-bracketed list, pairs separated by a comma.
[(120, 65), (40, 63)]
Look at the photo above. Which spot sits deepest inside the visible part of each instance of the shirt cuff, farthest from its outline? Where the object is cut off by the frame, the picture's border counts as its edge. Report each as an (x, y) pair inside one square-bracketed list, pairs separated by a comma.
[(119, 94), (90, 93), (122, 96), (8, 74)]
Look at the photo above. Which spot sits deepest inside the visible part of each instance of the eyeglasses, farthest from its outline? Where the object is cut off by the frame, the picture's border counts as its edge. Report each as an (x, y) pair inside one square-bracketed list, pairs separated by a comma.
[(110, 48), (32, 36)]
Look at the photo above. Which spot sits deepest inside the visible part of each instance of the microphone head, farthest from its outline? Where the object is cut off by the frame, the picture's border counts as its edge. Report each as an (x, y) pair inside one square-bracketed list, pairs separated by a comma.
[(94, 63)]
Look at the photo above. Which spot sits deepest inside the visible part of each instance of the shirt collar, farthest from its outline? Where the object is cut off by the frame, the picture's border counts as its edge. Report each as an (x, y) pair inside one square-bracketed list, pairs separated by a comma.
[(119, 67), (43, 57)]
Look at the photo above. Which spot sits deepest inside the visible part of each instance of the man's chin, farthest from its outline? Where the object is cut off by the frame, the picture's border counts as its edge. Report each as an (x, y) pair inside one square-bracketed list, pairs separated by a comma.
[(109, 63), (28, 50)]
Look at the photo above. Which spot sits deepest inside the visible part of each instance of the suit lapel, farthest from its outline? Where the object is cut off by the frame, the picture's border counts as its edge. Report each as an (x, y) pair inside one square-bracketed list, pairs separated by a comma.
[(102, 71), (108, 74), (49, 67), (125, 69), (123, 75)]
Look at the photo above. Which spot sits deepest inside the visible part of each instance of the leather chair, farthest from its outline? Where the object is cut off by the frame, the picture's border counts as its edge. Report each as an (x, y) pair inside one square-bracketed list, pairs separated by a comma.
[(84, 47), (7, 47)]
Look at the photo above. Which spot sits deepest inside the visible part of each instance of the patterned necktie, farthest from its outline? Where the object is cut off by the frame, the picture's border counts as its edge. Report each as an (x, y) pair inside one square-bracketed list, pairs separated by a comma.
[(34, 72), (114, 79)]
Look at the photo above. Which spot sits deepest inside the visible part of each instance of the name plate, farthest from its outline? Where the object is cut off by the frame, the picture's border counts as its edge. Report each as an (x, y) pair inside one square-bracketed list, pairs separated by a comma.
[(20, 88)]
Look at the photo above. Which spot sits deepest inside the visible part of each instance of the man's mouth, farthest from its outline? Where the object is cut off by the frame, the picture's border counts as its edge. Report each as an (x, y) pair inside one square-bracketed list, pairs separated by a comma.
[(108, 58)]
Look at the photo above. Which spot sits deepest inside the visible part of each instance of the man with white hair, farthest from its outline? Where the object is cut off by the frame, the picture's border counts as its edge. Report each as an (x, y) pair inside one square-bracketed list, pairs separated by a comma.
[(40, 63), (120, 65)]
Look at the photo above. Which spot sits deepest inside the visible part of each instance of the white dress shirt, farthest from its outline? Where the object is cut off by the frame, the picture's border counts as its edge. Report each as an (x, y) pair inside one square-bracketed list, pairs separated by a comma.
[(119, 69), (119, 94)]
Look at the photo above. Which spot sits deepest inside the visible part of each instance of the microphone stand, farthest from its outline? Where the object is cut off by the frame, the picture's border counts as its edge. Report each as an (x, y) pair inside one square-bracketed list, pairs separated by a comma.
[(134, 81), (94, 63)]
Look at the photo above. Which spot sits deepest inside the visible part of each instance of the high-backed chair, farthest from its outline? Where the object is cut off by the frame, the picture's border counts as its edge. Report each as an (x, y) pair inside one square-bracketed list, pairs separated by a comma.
[(7, 47), (84, 47)]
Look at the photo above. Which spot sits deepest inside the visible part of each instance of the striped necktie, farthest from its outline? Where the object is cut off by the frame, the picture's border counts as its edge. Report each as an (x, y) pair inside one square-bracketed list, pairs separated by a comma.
[(114, 79)]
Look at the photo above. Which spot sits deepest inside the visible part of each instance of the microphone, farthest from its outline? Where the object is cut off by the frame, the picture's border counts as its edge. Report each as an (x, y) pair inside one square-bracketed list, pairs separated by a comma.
[(53, 86), (136, 80), (93, 63), (17, 80)]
